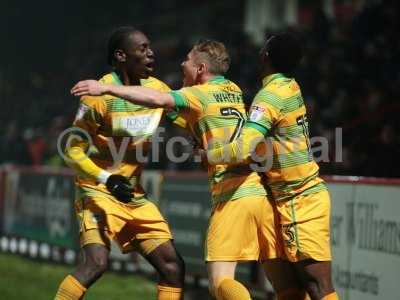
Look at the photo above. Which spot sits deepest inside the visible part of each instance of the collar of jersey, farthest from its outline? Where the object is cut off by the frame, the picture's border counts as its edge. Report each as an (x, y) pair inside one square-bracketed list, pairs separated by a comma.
[(272, 77), (116, 78), (216, 79)]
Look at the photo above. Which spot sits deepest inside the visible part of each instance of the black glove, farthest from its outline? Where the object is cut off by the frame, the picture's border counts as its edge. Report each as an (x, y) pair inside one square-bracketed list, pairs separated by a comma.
[(120, 187)]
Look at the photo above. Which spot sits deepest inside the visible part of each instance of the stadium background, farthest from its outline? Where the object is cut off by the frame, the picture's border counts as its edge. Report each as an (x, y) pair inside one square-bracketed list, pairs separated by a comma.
[(350, 79)]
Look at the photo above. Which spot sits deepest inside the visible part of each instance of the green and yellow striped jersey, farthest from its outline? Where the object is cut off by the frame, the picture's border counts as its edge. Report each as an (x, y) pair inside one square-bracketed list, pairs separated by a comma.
[(215, 112), (117, 129), (278, 111)]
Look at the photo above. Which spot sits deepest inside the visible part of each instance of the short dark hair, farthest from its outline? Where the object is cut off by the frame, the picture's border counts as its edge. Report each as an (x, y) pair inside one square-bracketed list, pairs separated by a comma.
[(118, 40), (215, 53), (284, 51)]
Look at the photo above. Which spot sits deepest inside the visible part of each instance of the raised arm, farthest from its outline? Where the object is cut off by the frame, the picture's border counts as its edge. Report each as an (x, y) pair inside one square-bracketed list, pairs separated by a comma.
[(135, 94)]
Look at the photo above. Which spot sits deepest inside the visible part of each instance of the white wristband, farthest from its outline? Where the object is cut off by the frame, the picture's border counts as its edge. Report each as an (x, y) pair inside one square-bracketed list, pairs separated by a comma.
[(103, 176)]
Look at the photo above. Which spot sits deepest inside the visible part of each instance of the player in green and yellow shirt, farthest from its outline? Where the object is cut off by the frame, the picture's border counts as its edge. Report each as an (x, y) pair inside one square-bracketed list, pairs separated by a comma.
[(278, 114), (242, 224), (111, 204)]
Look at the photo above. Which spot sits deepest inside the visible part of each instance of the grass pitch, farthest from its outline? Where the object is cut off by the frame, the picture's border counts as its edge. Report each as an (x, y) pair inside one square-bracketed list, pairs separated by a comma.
[(22, 278)]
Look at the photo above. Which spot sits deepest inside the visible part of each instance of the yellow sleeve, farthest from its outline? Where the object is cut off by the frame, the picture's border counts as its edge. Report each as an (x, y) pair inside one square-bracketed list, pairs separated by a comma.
[(192, 98), (89, 119), (181, 122), (90, 114), (171, 115), (190, 103), (265, 110), (82, 164), (238, 151), (174, 117)]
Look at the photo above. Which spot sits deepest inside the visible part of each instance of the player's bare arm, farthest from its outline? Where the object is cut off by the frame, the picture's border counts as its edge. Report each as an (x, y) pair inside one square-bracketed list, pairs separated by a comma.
[(135, 94)]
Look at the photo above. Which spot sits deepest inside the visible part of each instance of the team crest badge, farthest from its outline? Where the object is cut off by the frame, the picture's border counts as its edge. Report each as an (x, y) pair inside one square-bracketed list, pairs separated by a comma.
[(256, 113)]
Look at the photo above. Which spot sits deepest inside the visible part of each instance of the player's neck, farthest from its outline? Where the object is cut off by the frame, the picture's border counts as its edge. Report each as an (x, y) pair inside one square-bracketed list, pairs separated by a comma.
[(266, 71), (206, 77), (127, 79)]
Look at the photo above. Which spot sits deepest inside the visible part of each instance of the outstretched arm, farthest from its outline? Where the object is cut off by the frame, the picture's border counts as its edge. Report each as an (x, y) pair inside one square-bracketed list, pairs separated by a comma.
[(118, 185), (82, 164), (240, 150), (135, 94)]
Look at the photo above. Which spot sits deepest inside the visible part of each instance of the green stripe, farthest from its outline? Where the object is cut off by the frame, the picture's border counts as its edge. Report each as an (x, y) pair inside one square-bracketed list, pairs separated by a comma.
[(121, 105), (217, 79), (278, 196), (291, 131), (261, 128), (270, 98), (212, 122), (314, 189), (265, 122), (180, 101), (240, 192), (287, 160), (116, 78), (275, 76), (292, 185), (234, 171), (293, 103), (172, 115)]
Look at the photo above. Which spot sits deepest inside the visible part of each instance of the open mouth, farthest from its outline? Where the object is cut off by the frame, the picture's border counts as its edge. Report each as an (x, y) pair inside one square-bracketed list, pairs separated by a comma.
[(150, 66)]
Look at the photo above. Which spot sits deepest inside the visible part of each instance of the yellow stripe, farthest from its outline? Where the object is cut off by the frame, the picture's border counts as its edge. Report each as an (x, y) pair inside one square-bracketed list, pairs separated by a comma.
[(236, 182), (218, 135), (281, 147), (291, 118), (293, 173), (214, 109)]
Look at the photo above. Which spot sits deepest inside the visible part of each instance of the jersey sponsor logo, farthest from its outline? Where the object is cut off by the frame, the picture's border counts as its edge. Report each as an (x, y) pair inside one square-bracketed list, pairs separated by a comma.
[(256, 113), (82, 110), (137, 125)]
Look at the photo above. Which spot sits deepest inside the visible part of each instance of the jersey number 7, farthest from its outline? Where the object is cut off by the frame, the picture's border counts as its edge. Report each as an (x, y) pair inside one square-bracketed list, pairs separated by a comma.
[(230, 111)]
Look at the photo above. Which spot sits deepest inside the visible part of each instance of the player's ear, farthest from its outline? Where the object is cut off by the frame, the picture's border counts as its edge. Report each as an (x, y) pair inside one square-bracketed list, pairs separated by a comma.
[(202, 68), (120, 55)]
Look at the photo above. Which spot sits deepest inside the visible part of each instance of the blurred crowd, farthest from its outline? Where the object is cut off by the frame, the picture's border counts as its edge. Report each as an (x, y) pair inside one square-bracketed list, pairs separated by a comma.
[(349, 77)]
